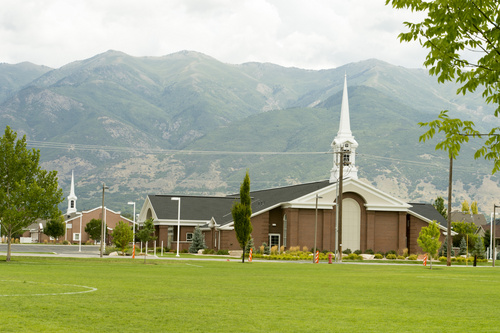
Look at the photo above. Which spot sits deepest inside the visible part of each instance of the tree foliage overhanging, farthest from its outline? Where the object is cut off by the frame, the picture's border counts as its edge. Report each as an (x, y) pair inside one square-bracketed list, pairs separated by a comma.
[(27, 192), (463, 39)]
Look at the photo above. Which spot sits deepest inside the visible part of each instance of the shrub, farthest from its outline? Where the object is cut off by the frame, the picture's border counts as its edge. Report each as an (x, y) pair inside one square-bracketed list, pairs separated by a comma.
[(274, 250), (222, 252), (65, 242), (391, 256), (208, 251), (353, 256), (443, 259), (305, 249), (347, 251), (382, 253), (378, 256), (390, 252), (405, 252), (357, 252), (401, 257), (412, 257), (369, 251)]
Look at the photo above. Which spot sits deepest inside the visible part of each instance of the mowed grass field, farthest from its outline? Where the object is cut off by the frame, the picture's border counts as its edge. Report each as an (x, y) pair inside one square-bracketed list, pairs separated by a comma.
[(125, 295)]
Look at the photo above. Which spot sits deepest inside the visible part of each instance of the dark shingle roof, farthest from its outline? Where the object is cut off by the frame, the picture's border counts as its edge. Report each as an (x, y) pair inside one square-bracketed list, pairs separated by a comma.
[(200, 208), (427, 210), (478, 219)]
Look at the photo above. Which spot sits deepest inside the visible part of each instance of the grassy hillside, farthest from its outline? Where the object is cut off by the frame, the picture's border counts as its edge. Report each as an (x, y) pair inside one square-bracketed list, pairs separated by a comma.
[(188, 123)]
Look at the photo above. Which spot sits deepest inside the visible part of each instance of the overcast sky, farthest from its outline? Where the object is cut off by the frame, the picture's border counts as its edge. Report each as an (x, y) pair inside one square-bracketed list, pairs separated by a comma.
[(313, 34)]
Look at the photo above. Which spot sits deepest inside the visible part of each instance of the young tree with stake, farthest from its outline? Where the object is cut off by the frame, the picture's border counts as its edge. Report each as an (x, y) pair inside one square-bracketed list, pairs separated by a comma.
[(428, 239)]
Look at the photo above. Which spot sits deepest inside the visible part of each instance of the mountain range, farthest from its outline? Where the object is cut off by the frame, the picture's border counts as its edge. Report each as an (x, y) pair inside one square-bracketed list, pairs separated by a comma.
[(187, 123)]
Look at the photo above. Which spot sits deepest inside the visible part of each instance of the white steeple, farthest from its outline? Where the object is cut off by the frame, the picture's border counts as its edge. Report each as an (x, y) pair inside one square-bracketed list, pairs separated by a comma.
[(72, 197), (344, 140)]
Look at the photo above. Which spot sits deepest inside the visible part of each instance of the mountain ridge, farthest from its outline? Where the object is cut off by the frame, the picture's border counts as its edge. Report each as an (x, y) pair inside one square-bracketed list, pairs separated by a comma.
[(132, 122)]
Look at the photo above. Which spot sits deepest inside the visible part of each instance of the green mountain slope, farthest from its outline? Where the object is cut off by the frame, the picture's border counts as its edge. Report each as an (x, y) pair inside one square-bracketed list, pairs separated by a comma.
[(188, 123)]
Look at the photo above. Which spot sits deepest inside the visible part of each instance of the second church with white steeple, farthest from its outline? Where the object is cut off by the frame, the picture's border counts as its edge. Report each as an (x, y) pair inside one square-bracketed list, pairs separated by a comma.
[(344, 140)]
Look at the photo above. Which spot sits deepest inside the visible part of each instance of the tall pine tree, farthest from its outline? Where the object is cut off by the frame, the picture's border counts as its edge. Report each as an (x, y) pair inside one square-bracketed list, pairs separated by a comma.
[(242, 211)]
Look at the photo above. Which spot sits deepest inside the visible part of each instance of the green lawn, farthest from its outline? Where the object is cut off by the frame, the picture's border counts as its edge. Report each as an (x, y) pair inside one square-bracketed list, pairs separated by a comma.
[(56, 295)]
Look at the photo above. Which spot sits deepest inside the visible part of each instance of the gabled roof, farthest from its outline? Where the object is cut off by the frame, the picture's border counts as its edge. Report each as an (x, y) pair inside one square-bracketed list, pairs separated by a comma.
[(478, 219), (193, 208), (428, 211)]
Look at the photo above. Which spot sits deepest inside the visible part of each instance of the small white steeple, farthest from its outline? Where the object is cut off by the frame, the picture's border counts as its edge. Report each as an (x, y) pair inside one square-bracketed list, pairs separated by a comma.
[(344, 140), (72, 197)]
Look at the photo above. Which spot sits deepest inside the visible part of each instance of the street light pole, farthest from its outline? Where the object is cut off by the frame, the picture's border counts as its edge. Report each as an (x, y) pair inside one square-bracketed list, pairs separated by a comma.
[(492, 233), (103, 220), (316, 227), (133, 227), (178, 222)]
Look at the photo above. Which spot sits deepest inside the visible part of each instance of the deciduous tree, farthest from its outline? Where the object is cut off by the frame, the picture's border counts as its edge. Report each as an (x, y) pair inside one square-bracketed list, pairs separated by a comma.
[(428, 239), (93, 229), (27, 192), (122, 236), (463, 40), (55, 228), (146, 233), (242, 211)]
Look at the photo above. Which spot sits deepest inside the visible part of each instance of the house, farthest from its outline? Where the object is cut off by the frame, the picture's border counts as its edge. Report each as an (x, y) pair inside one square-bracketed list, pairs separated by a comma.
[(288, 216), (75, 222)]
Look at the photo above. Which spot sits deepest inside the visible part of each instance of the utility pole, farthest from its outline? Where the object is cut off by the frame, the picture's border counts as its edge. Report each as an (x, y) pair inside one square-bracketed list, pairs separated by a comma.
[(339, 203)]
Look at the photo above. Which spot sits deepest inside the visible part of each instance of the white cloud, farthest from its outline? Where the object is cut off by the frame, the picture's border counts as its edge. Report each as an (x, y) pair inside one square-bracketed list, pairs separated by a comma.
[(307, 34)]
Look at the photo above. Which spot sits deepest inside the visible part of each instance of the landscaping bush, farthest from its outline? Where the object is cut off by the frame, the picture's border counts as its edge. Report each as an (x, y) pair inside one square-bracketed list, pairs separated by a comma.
[(391, 256), (378, 256), (353, 256), (369, 251), (208, 251), (390, 252), (225, 252), (412, 257), (357, 252), (65, 242), (401, 257), (405, 252), (347, 251), (443, 259)]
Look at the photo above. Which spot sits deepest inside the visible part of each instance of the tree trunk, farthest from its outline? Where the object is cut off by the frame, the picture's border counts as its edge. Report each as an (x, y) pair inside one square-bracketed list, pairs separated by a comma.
[(243, 256)]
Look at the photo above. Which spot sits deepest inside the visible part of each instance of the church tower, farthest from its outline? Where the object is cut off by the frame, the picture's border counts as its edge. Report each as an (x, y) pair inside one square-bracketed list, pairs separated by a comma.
[(72, 197), (344, 140)]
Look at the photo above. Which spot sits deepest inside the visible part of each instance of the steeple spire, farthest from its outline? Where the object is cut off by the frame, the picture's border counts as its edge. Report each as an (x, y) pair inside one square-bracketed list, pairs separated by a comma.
[(72, 197), (345, 141)]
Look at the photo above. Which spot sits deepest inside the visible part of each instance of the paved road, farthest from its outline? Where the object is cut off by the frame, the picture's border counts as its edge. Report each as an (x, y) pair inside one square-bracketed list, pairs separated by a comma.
[(48, 248)]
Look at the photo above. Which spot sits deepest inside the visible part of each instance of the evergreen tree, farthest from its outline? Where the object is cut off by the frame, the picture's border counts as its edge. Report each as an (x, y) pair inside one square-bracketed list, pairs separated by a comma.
[(479, 248), (443, 252), (439, 205), (463, 247), (198, 241), (242, 211), (250, 245)]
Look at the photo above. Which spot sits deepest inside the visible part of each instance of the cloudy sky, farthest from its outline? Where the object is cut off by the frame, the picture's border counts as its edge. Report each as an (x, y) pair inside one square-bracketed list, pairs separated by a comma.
[(313, 34)]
